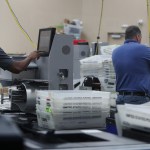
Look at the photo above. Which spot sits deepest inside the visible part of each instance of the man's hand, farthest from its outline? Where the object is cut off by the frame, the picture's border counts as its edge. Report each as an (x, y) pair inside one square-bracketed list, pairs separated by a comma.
[(34, 55)]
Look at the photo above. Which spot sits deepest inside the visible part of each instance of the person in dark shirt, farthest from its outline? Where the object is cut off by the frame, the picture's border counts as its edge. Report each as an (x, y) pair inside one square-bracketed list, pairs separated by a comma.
[(131, 62), (7, 63)]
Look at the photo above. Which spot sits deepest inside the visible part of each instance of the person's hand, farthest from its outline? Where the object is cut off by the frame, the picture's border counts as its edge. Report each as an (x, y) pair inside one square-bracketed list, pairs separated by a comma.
[(34, 55)]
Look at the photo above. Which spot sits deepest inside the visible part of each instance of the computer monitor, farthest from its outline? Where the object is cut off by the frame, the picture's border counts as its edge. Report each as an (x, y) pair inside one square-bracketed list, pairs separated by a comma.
[(45, 40)]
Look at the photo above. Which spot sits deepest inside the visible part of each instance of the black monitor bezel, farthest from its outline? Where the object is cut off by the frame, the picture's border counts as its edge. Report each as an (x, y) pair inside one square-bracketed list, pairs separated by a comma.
[(53, 32)]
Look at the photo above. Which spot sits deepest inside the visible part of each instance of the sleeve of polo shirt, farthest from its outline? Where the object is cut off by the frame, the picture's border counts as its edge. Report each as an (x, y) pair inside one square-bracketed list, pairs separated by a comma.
[(5, 60)]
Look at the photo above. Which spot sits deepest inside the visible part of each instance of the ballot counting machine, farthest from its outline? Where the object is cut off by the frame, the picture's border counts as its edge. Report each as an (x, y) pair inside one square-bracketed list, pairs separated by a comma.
[(57, 67)]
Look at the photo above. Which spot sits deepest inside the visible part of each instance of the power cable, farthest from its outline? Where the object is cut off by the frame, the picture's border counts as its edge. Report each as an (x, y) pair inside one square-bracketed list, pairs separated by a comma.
[(19, 25), (99, 29), (148, 15)]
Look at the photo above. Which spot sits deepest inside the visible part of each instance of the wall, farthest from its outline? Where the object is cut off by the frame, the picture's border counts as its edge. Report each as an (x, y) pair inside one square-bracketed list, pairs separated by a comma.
[(32, 14), (35, 14), (115, 14)]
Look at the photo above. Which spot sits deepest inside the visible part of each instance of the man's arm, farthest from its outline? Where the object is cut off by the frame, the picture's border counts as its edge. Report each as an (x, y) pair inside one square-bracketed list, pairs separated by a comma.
[(18, 66)]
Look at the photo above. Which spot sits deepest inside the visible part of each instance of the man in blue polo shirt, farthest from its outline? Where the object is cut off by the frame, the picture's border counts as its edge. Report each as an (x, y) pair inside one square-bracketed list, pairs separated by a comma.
[(7, 63), (132, 67)]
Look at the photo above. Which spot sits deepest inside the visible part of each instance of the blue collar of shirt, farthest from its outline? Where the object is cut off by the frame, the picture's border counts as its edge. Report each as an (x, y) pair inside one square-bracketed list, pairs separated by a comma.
[(130, 40)]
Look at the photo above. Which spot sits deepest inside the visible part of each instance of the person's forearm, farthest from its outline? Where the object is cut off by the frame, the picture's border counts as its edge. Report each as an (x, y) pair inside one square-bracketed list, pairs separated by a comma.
[(19, 66)]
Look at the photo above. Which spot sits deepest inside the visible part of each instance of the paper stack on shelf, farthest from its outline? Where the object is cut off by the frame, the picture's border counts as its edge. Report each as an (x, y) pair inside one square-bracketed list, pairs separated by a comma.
[(135, 116), (99, 66), (108, 49), (109, 75), (72, 109), (92, 66)]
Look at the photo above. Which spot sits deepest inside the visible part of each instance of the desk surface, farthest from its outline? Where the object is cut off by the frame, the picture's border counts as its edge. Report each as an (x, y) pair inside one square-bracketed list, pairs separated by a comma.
[(35, 138)]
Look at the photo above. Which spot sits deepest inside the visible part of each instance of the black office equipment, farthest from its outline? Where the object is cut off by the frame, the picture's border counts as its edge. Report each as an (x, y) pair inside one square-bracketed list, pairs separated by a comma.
[(11, 136), (45, 40)]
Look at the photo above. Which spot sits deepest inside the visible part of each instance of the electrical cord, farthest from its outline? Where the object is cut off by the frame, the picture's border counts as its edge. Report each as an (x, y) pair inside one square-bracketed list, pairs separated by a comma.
[(148, 14), (19, 25), (99, 29)]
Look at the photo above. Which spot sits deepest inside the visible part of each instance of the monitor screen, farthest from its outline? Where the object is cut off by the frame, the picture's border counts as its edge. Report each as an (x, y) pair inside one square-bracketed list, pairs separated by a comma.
[(45, 40)]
